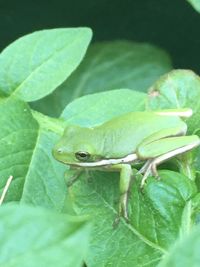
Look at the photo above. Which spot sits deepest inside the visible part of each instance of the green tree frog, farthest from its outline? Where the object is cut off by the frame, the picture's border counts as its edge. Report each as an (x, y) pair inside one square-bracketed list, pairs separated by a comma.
[(116, 145)]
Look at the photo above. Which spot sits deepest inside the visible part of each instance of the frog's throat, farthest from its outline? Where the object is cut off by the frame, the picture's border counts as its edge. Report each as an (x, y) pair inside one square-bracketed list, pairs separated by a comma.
[(105, 162)]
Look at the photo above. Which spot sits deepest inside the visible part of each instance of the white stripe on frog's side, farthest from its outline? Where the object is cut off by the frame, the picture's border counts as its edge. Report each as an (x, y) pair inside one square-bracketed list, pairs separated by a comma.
[(185, 113), (105, 162)]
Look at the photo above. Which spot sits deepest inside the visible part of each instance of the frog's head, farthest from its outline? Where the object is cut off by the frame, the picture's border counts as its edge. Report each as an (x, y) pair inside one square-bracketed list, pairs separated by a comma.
[(77, 145)]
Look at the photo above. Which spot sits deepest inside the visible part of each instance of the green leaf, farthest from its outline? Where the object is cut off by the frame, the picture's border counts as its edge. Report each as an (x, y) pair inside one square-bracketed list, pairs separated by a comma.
[(34, 237), (157, 217), (34, 65), (17, 140), (25, 153), (195, 4), (109, 65), (97, 108), (177, 89), (185, 252), (44, 182), (196, 207)]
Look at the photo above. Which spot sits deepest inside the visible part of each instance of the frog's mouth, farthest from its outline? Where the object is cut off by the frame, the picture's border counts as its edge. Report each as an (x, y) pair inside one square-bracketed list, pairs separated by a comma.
[(104, 162)]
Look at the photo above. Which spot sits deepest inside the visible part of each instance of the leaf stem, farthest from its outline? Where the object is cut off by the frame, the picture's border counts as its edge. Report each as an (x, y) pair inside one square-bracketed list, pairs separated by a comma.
[(186, 222), (52, 124), (186, 165)]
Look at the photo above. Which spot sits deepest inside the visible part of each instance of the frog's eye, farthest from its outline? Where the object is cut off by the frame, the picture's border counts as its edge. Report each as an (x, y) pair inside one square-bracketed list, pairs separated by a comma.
[(82, 155)]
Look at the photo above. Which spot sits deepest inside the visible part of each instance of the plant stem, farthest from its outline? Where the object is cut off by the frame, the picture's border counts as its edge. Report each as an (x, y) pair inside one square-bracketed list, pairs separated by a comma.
[(186, 165), (48, 123)]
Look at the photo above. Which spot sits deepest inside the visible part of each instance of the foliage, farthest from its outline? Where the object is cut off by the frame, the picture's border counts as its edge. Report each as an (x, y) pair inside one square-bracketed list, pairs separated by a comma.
[(195, 4), (116, 76)]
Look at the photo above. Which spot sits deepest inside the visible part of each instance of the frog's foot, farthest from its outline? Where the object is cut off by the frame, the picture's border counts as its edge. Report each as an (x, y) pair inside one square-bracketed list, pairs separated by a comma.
[(145, 167), (71, 181), (123, 210), (73, 178), (150, 168), (123, 206), (117, 221)]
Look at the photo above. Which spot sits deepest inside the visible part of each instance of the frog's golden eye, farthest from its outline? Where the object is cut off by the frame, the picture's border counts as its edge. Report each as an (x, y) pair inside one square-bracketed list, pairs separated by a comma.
[(82, 155)]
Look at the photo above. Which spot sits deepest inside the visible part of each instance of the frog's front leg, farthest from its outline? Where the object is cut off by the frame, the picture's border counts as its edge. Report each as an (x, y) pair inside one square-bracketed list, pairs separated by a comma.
[(126, 175)]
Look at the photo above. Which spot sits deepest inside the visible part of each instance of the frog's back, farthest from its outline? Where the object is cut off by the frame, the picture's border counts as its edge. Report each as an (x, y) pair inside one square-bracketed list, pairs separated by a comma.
[(123, 134)]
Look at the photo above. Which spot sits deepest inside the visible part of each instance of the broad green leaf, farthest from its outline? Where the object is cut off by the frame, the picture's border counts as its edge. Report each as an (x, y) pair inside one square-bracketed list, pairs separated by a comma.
[(185, 252), (34, 237), (18, 135), (109, 65), (34, 65), (177, 89), (97, 108), (195, 4), (25, 153), (157, 217), (44, 182)]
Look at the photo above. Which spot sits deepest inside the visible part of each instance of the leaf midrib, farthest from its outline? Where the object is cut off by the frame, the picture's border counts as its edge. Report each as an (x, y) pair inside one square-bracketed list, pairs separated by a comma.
[(44, 62), (133, 230)]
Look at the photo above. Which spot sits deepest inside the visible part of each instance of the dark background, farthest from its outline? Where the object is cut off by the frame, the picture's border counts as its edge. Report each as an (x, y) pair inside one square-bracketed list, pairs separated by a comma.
[(172, 25)]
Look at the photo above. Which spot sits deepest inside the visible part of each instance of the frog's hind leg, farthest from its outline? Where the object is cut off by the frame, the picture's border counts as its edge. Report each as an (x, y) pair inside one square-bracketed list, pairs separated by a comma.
[(145, 166), (163, 150), (149, 168)]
